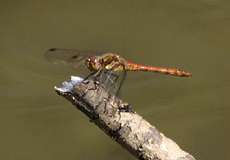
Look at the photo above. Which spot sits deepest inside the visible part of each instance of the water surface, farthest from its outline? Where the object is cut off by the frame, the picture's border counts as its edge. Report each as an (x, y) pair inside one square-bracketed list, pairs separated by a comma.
[(193, 35)]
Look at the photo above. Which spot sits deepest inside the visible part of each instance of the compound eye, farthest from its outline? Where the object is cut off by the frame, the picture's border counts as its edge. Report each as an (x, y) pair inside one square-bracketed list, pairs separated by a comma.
[(95, 61), (88, 60)]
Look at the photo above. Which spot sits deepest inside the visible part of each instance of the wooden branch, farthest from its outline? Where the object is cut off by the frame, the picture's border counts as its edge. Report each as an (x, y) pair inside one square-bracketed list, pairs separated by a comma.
[(121, 123)]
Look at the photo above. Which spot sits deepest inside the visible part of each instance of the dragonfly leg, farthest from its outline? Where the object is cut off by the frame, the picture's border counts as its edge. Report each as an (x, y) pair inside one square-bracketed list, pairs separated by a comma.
[(123, 76), (90, 75), (122, 80)]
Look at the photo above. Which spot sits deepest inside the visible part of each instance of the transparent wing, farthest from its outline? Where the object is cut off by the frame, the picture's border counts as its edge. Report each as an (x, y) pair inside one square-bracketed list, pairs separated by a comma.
[(110, 80), (68, 56)]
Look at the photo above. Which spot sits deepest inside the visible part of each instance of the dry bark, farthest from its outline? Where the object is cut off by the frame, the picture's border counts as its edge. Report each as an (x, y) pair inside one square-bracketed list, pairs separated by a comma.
[(122, 124)]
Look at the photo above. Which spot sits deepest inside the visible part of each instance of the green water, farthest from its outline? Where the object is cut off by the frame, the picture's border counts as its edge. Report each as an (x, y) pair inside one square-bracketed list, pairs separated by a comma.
[(193, 35)]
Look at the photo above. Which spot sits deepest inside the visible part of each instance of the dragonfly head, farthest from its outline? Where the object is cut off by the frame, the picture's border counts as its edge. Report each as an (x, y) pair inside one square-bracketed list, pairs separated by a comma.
[(93, 63)]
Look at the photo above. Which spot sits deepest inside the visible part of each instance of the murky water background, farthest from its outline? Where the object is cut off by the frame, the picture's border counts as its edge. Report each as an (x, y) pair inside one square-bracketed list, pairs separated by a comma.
[(193, 35)]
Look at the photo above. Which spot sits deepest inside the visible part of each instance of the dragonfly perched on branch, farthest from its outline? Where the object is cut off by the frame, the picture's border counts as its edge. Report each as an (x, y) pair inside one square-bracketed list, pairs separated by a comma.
[(111, 63)]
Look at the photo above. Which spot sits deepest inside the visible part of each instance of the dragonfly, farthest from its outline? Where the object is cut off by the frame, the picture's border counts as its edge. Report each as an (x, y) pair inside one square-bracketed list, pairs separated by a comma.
[(113, 65)]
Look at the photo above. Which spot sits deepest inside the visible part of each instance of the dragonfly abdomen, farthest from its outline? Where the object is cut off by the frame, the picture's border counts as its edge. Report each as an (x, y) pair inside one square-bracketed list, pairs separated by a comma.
[(171, 71)]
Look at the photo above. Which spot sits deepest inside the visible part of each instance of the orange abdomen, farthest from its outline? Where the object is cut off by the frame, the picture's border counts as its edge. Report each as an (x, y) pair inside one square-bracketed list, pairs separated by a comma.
[(171, 71)]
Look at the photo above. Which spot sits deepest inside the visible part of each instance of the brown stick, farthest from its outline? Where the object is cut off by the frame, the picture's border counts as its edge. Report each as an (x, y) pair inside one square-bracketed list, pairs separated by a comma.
[(117, 119)]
